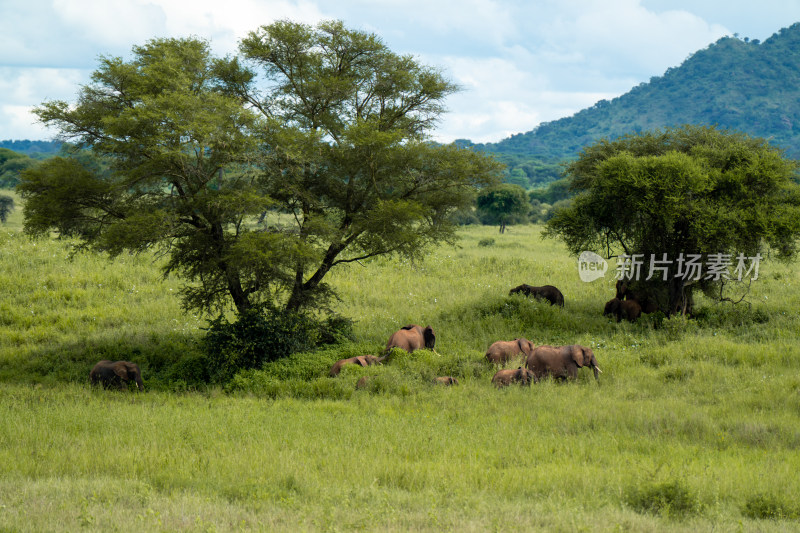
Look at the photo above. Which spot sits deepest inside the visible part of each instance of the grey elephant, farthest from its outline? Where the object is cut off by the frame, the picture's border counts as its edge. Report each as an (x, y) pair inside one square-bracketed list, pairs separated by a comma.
[(116, 373), (360, 360), (561, 362), (412, 337), (506, 377), (630, 310), (545, 292), (501, 352)]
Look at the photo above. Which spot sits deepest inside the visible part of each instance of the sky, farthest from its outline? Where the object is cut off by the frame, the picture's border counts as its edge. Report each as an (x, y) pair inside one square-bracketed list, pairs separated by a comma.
[(518, 63)]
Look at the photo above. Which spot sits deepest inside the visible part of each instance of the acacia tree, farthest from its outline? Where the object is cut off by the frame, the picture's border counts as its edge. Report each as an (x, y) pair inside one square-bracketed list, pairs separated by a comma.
[(503, 204), (346, 148), (331, 131), (687, 190)]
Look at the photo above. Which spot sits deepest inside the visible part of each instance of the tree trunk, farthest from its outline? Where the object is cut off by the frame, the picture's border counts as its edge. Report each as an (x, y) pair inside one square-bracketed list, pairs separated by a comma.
[(679, 301), (240, 299), (301, 291)]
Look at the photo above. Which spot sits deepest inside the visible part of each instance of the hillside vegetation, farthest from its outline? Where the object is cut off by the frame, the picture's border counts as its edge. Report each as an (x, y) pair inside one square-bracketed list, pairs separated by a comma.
[(692, 425), (738, 84)]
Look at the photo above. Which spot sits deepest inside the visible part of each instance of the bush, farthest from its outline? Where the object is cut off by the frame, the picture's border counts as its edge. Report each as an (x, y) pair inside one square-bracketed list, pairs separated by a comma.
[(262, 335), (670, 499), (731, 316), (486, 242), (770, 506)]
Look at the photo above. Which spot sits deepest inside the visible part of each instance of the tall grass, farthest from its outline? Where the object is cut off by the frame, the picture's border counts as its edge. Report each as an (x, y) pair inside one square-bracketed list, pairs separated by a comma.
[(692, 426)]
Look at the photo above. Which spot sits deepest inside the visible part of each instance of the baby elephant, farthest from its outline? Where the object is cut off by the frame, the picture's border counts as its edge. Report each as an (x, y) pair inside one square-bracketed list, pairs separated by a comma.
[(446, 380), (501, 352), (545, 292), (506, 377), (630, 310), (361, 360), (116, 373)]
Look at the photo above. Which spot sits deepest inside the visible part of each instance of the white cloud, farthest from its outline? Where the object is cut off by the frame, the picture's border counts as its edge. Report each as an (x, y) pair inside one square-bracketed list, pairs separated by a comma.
[(113, 24), (25, 88), (17, 122), (520, 63)]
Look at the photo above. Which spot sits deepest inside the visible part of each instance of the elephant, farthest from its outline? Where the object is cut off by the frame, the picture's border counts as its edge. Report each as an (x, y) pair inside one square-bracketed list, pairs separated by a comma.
[(412, 337), (361, 360), (628, 309), (506, 377), (116, 373), (446, 380), (502, 352), (545, 292), (561, 362), (648, 305)]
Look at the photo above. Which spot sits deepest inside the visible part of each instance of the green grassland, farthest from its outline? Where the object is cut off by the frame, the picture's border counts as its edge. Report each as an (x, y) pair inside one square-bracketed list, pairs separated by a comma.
[(693, 425)]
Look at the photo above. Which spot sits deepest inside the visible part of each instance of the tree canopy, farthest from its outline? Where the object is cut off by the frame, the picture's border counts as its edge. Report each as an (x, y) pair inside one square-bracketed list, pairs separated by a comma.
[(257, 174), (679, 191), (503, 204)]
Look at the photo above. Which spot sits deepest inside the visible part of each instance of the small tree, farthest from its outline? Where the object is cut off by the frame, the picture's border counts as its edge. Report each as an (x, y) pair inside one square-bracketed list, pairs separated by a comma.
[(503, 204), (681, 191)]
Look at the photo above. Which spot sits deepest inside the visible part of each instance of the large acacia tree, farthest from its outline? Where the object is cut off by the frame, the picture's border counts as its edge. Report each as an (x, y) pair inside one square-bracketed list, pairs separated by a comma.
[(687, 190), (255, 175)]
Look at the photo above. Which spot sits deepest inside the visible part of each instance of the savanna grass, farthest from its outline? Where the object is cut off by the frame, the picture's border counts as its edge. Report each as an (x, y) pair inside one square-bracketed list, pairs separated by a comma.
[(692, 426)]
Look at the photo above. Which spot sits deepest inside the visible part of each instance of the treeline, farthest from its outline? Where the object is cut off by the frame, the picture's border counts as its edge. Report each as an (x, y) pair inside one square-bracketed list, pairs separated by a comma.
[(34, 149)]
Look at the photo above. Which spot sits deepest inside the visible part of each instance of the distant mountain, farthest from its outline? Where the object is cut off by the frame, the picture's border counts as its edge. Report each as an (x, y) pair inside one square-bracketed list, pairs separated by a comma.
[(734, 83)]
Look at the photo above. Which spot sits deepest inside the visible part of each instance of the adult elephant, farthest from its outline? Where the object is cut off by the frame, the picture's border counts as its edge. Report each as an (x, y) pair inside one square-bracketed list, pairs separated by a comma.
[(360, 360), (506, 377), (116, 373), (561, 362), (412, 337), (630, 310), (545, 292), (501, 352)]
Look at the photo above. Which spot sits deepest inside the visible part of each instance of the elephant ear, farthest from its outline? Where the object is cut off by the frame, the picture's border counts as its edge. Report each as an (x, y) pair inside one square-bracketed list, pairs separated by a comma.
[(576, 352), (526, 346), (361, 361), (121, 370), (429, 336)]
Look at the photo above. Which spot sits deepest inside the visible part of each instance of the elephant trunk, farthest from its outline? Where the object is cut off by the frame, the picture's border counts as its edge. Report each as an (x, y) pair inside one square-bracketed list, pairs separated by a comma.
[(140, 384), (596, 370)]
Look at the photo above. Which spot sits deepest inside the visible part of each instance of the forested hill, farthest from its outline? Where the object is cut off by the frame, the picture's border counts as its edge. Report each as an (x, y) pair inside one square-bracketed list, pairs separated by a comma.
[(37, 149), (738, 84)]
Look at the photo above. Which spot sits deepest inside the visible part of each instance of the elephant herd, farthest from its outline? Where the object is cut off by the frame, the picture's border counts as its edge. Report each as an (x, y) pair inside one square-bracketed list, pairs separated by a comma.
[(560, 362)]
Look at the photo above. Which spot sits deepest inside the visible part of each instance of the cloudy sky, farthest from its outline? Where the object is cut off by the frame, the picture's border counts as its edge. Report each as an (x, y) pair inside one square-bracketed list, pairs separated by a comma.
[(519, 62)]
